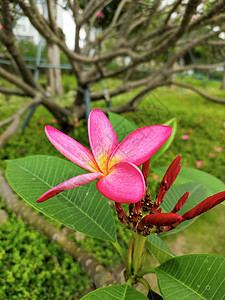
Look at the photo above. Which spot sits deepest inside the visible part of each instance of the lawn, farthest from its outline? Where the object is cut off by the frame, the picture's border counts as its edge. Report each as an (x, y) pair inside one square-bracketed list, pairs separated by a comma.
[(33, 267)]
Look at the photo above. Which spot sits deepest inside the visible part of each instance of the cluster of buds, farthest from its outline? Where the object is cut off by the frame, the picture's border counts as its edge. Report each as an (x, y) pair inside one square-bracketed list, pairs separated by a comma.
[(155, 220)]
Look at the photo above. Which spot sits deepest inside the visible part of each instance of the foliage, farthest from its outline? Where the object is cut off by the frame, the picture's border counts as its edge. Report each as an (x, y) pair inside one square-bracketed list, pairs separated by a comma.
[(195, 277), (88, 212), (115, 292), (76, 209), (162, 105), (33, 267)]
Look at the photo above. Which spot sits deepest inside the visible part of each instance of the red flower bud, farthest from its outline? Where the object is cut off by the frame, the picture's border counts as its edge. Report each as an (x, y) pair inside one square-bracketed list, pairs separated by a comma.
[(180, 203), (145, 170), (205, 205), (159, 219), (167, 181)]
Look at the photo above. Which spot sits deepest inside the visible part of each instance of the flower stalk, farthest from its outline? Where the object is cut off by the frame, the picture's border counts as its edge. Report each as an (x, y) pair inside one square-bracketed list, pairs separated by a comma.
[(129, 257), (139, 243)]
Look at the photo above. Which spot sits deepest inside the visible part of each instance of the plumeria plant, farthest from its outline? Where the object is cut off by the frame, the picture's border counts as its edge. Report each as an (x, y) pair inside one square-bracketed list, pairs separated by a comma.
[(118, 171)]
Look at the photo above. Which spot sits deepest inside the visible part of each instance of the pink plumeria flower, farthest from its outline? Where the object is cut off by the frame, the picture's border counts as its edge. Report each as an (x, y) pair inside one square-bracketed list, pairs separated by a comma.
[(218, 149), (99, 14), (199, 163), (115, 165), (185, 137)]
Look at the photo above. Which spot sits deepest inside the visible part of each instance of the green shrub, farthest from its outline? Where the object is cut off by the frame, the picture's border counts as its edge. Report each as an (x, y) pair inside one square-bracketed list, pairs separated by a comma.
[(32, 267)]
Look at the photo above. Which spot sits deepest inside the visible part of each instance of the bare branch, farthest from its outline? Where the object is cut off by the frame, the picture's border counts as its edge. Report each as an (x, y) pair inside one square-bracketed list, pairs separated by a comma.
[(108, 31), (193, 44), (7, 91), (92, 8), (198, 67), (215, 10), (201, 93), (189, 12), (14, 80), (75, 7), (7, 38), (173, 9), (216, 43), (51, 14), (6, 121), (15, 120), (124, 31), (61, 114)]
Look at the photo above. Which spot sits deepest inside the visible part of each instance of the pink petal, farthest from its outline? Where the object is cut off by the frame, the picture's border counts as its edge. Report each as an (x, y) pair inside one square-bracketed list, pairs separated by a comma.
[(71, 149), (205, 205), (199, 163), (99, 14), (102, 137), (185, 137), (141, 144), (124, 183), (155, 177), (211, 154), (218, 149), (69, 184)]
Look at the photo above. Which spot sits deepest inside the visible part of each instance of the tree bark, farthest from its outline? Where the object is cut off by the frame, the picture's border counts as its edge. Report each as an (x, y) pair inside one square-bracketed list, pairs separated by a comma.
[(204, 95), (222, 86), (15, 121), (54, 83)]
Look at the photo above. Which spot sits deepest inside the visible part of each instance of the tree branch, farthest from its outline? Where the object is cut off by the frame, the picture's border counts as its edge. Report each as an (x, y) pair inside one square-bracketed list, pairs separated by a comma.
[(7, 38), (61, 114), (198, 67), (204, 95), (173, 9), (92, 8), (15, 121), (7, 91)]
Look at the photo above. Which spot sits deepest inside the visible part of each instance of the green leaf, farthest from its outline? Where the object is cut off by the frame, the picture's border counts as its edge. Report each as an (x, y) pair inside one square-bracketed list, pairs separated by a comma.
[(158, 248), (197, 193), (121, 125), (115, 292), (82, 208), (192, 277), (172, 123), (212, 184)]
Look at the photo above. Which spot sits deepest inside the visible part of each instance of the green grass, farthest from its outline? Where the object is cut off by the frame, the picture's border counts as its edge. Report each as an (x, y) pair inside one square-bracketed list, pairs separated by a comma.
[(30, 270)]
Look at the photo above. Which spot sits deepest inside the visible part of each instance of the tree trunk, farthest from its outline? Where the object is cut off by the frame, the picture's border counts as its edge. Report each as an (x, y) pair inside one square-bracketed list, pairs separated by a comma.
[(222, 86), (54, 83), (61, 114)]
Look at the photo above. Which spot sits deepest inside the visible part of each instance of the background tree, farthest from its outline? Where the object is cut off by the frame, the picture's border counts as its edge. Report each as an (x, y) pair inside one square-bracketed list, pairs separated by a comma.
[(130, 36)]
